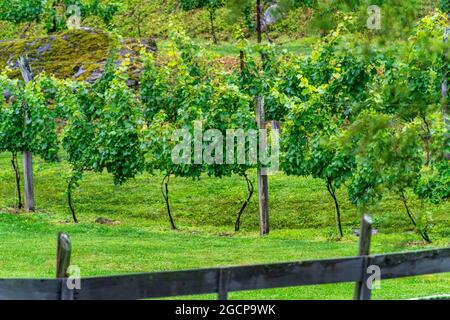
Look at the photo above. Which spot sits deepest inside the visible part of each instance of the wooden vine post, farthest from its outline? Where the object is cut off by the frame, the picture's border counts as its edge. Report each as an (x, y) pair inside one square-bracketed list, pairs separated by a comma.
[(27, 155), (445, 109), (263, 182)]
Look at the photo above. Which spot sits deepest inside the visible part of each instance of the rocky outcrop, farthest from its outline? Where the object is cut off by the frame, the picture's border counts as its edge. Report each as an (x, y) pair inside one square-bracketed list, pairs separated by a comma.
[(79, 54)]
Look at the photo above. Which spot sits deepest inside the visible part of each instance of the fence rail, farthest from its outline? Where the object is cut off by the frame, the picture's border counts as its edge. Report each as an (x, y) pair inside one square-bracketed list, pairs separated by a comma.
[(230, 279)]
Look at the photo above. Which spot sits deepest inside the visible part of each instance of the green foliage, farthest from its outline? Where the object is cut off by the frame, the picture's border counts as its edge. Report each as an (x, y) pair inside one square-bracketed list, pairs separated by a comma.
[(145, 18), (196, 4), (388, 155), (436, 187), (352, 113), (369, 120), (444, 5), (54, 14), (11, 117), (21, 11), (186, 95), (211, 5), (103, 128), (184, 88), (27, 118)]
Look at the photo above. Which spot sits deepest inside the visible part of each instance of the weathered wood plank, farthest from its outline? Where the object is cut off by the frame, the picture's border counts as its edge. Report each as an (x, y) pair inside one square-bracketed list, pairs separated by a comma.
[(28, 181), (263, 181), (294, 274), (29, 289), (27, 156), (202, 281), (153, 285), (416, 263), (168, 284)]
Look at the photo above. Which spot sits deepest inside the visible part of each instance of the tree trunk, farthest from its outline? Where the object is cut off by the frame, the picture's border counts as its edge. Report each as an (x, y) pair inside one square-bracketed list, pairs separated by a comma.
[(423, 234), (165, 193), (336, 204), (139, 22), (69, 200), (15, 165), (213, 28), (54, 21), (258, 20), (251, 190), (427, 139), (242, 60)]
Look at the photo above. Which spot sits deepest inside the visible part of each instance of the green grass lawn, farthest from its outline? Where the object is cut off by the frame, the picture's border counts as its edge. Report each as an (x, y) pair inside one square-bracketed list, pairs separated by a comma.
[(301, 46), (302, 222)]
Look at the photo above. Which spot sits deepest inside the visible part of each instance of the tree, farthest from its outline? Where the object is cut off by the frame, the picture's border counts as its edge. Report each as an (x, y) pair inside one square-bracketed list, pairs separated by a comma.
[(102, 130), (137, 11), (35, 133), (271, 12), (173, 94), (11, 125), (401, 130), (309, 150), (230, 116), (389, 157), (321, 93), (211, 5), (187, 99)]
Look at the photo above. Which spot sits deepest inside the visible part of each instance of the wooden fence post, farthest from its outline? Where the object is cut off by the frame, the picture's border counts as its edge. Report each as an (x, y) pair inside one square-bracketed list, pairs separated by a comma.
[(27, 156), (63, 253), (224, 278), (362, 292)]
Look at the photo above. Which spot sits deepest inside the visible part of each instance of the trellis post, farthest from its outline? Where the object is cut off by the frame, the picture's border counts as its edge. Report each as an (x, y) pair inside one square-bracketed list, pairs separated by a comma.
[(263, 182), (27, 155), (445, 111)]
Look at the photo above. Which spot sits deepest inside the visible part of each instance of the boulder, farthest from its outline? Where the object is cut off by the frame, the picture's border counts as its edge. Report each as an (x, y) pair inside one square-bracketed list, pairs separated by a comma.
[(77, 54)]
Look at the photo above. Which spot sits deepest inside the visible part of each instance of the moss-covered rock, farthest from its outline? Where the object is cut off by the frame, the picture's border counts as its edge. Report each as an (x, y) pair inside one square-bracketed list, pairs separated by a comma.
[(78, 54)]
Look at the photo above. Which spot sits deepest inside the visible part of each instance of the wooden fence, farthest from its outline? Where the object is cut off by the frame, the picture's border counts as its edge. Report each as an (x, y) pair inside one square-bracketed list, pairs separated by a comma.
[(230, 279)]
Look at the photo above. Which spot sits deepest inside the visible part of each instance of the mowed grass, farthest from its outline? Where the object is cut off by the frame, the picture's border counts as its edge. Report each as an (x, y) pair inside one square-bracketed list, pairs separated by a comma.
[(301, 46), (302, 222)]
